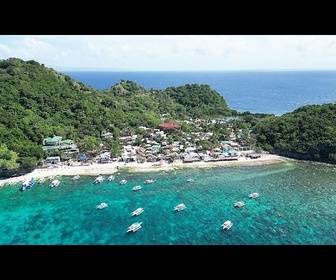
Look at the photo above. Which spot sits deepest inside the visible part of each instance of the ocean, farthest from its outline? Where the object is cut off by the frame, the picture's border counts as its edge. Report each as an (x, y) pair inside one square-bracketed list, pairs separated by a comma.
[(273, 92), (296, 206), (296, 203)]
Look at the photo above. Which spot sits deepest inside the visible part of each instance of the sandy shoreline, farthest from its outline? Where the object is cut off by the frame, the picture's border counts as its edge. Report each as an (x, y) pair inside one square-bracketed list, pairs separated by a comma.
[(111, 168)]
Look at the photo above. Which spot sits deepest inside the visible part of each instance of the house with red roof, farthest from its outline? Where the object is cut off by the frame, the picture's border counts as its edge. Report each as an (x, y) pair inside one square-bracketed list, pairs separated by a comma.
[(168, 126)]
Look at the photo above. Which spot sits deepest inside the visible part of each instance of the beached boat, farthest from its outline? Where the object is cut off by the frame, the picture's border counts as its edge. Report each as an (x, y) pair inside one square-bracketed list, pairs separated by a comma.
[(54, 183), (253, 195), (110, 178), (123, 182), (75, 177), (239, 204), (134, 227), (136, 188), (102, 205), (149, 181), (227, 224), (180, 207), (137, 211), (99, 179), (41, 180), (28, 184)]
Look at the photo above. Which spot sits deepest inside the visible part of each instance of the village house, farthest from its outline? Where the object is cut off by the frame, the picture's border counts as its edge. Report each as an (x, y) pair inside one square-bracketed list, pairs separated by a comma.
[(168, 126)]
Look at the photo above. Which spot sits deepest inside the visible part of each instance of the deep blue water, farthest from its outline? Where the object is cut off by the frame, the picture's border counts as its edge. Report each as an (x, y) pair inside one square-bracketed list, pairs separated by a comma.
[(274, 92)]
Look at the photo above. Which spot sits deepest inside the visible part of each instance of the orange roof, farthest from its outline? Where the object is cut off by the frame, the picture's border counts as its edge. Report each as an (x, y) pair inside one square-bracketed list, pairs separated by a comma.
[(169, 125)]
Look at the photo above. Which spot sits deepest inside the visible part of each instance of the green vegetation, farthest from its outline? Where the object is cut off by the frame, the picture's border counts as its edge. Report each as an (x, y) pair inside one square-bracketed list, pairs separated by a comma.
[(8, 158), (198, 101), (38, 102), (307, 133)]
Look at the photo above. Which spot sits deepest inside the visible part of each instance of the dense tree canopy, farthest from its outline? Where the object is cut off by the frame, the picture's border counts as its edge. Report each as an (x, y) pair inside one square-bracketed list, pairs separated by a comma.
[(306, 133), (37, 102)]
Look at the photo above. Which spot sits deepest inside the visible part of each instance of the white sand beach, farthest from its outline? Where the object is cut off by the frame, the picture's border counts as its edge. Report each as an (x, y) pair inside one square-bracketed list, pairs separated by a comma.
[(111, 168)]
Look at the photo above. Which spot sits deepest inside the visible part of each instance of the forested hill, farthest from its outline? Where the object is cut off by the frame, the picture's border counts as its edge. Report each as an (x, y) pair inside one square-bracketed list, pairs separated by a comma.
[(307, 133), (37, 102)]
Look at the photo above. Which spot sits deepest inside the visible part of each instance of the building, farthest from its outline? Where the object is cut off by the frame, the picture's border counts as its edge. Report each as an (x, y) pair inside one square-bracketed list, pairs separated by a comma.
[(56, 143), (52, 141), (53, 160), (169, 126)]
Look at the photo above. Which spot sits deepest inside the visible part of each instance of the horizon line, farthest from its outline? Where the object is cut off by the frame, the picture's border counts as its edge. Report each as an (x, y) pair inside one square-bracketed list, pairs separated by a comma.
[(84, 69)]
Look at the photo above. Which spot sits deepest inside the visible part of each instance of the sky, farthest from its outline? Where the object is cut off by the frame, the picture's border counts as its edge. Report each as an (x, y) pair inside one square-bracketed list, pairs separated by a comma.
[(173, 52)]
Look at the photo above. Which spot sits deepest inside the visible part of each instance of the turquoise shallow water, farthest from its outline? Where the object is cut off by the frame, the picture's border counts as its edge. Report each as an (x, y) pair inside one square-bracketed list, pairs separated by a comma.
[(296, 206)]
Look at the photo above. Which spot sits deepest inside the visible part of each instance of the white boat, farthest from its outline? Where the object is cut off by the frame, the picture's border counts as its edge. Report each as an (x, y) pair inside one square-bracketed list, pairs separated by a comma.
[(239, 204), (137, 211), (253, 195), (110, 178), (99, 179), (190, 180), (136, 188), (180, 207), (149, 181), (28, 184), (134, 227), (41, 180), (75, 177), (54, 183), (227, 224), (123, 182), (102, 205)]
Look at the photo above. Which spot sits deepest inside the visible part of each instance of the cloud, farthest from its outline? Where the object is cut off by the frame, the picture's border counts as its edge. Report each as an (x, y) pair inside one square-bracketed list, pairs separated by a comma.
[(174, 52)]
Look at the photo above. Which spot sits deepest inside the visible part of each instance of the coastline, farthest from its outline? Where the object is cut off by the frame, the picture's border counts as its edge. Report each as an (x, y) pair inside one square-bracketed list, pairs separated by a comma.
[(115, 167)]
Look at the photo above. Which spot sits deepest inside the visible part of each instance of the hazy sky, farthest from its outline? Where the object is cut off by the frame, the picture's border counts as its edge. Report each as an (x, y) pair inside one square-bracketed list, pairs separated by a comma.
[(174, 52)]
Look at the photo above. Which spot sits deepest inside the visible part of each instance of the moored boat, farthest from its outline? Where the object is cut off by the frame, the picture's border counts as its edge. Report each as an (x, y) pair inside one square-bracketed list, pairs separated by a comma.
[(227, 224), (110, 178), (136, 188), (102, 205), (180, 207), (41, 180), (137, 211), (134, 227), (75, 177), (54, 183), (253, 195), (123, 182), (99, 179), (149, 181), (239, 204), (28, 184)]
